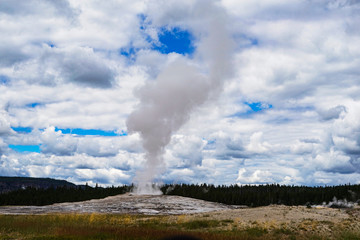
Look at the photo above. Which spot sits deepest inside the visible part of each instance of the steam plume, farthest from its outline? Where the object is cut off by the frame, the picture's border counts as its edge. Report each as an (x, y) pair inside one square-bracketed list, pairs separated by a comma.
[(166, 103)]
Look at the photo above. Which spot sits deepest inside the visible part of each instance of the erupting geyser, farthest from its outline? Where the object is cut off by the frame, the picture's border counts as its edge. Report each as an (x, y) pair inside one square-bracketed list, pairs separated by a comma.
[(166, 103)]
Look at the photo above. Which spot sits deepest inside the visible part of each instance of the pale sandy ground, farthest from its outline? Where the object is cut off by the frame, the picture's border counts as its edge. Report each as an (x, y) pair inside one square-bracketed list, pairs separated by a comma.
[(324, 221), (275, 217)]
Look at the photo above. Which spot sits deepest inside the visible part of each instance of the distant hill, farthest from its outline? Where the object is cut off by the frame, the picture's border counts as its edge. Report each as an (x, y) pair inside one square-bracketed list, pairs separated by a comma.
[(8, 184), (25, 191)]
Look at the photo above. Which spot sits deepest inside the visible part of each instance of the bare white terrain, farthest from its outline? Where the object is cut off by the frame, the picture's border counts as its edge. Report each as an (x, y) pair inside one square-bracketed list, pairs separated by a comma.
[(123, 204)]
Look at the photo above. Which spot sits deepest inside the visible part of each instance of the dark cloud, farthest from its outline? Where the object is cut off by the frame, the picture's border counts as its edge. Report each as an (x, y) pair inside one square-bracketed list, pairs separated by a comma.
[(353, 152), (11, 54), (355, 161), (124, 167), (5, 128), (332, 113), (228, 149), (79, 65), (85, 71), (12, 7), (85, 166), (83, 66), (59, 149), (310, 140), (338, 4), (343, 169), (235, 145), (295, 90), (229, 155)]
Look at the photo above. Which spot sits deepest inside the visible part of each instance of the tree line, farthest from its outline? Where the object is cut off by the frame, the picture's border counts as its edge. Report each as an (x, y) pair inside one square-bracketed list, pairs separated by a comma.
[(40, 197), (263, 195), (249, 195)]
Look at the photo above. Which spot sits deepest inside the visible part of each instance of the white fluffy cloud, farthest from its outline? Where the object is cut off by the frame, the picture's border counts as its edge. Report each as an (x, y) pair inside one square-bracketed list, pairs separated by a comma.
[(258, 176), (56, 143), (290, 113)]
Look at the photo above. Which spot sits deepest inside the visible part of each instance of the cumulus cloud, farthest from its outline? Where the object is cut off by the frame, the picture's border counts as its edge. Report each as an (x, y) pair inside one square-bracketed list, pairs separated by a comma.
[(257, 145), (258, 177), (184, 175), (97, 147), (187, 150), (105, 176), (302, 147), (224, 147), (36, 21), (79, 168), (69, 69), (334, 161), (54, 142)]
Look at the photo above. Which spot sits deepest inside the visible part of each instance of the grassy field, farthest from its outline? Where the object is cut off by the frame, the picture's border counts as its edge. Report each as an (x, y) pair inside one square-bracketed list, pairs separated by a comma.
[(131, 227)]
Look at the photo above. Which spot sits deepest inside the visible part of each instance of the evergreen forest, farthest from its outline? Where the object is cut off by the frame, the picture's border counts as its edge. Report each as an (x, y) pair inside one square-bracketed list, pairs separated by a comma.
[(40, 197), (263, 195), (248, 195)]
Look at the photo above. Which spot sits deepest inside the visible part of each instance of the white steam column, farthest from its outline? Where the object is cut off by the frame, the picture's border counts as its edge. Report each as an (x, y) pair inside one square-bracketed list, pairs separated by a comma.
[(166, 103)]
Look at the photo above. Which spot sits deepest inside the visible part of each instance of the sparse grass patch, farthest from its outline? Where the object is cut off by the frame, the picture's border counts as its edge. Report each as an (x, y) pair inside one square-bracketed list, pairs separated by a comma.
[(227, 221), (348, 235), (256, 231), (283, 231), (199, 224)]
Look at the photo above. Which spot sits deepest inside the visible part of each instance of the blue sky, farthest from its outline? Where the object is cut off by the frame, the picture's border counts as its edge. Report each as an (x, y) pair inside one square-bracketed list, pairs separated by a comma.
[(258, 106), (25, 148), (86, 132), (175, 40), (4, 79), (22, 129), (281, 107)]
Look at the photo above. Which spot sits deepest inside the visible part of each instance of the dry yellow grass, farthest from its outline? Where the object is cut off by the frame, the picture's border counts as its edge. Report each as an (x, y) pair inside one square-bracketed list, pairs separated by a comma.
[(231, 224)]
